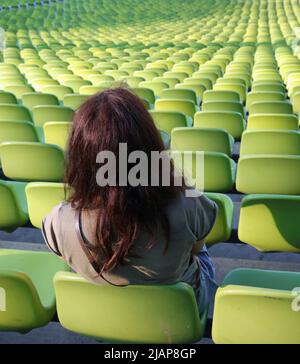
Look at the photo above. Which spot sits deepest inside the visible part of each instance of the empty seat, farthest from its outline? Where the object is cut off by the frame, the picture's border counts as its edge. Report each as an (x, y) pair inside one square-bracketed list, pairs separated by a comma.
[(30, 100), (43, 114), (206, 171), (270, 222), (222, 228), (145, 94), (232, 122), (180, 94), (156, 86), (13, 208), (26, 280), (7, 98), (74, 101), (202, 139), (254, 306), (21, 131), (260, 96), (14, 112), (103, 317), (232, 106), (41, 198), (274, 174), (270, 142), (268, 107), (234, 87), (24, 161), (186, 106), (220, 95), (168, 120), (57, 132), (273, 121)]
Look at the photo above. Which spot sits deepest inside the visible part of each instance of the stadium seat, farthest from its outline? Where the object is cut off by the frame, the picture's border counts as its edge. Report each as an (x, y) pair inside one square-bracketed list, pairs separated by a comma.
[(17, 131), (273, 121), (180, 94), (185, 106), (220, 95), (145, 94), (135, 321), (57, 132), (41, 198), (26, 278), (7, 98), (269, 222), (74, 101), (43, 114), (255, 306), (206, 171), (232, 106), (13, 208), (168, 120), (271, 107), (30, 100), (270, 142), (202, 139), (14, 112), (24, 161), (232, 122), (263, 96), (273, 174)]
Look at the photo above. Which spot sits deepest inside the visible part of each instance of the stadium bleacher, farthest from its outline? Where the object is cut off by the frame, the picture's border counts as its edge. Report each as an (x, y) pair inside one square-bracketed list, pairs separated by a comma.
[(222, 77)]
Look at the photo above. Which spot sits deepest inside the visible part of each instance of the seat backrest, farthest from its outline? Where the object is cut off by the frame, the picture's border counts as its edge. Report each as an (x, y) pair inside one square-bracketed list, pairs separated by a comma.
[(263, 96), (144, 93), (74, 101), (276, 214), (17, 131), (30, 100), (270, 142), (275, 107), (168, 120), (7, 98), (14, 112), (201, 139), (124, 315), (23, 161), (220, 95), (156, 86), (230, 121), (223, 106), (274, 174), (186, 106), (57, 132), (43, 114), (41, 198), (181, 94), (273, 121)]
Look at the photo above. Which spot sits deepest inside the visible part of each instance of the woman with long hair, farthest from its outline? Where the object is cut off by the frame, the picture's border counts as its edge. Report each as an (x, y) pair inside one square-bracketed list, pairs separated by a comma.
[(121, 233)]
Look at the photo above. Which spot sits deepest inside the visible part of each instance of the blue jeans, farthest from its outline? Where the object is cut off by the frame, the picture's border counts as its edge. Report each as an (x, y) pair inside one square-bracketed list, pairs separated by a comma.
[(208, 285)]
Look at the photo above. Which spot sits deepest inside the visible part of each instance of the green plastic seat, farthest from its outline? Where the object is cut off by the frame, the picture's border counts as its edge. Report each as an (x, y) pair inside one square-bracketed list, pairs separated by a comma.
[(59, 91), (24, 161), (168, 120), (156, 86), (41, 198), (275, 214), (14, 112), (19, 91), (22, 131), (261, 96), (198, 89), (268, 87), (274, 174), (43, 114), (273, 121), (232, 122), (202, 139), (135, 321), (26, 281), (57, 132), (233, 106), (220, 95), (74, 101), (270, 142), (185, 106), (256, 307), (222, 228), (30, 100), (174, 74), (13, 207), (144, 93), (268, 107), (233, 87), (206, 171), (170, 81), (180, 94), (199, 81), (7, 98)]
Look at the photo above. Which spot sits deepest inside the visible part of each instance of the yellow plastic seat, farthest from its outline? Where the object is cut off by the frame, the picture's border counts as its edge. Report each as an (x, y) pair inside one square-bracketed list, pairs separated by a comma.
[(57, 132), (43, 114), (273, 121), (257, 307)]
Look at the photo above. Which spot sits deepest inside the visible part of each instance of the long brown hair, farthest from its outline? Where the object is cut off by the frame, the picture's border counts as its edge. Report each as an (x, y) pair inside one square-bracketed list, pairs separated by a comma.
[(106, 119)]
